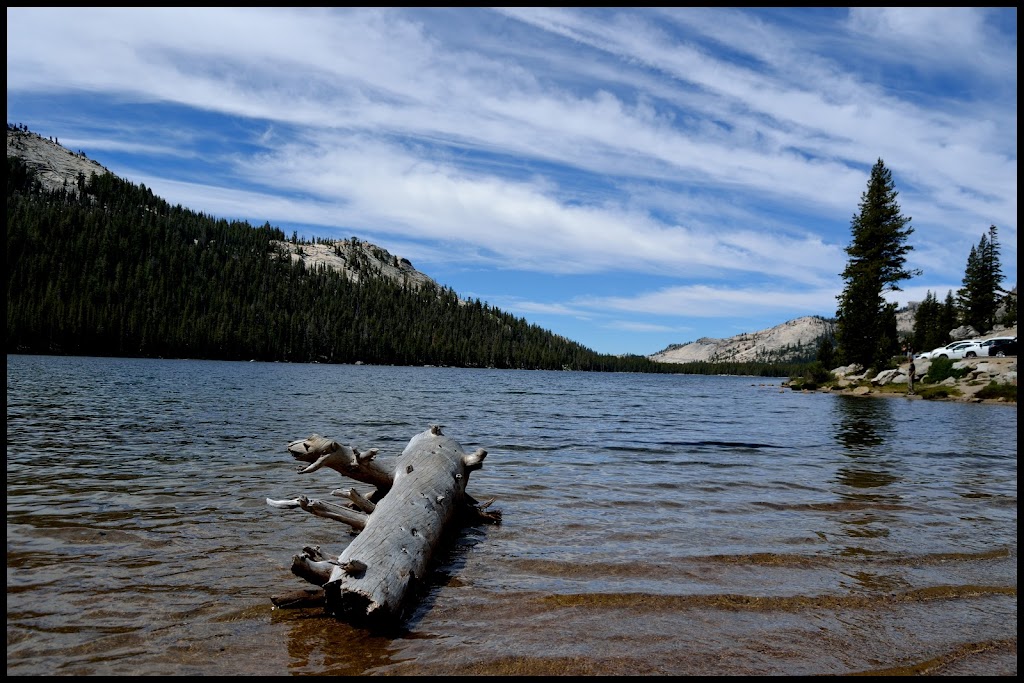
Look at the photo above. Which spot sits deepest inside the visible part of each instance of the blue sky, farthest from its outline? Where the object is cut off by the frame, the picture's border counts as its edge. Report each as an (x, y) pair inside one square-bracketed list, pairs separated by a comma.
[(626, 178)]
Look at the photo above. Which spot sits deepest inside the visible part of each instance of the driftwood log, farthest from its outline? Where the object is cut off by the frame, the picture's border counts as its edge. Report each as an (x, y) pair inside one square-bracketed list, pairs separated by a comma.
[(398, 524)]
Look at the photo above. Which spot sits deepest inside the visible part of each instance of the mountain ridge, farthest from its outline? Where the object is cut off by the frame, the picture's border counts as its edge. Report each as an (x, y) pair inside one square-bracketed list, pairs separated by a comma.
[(792, 340), (56, 166), (797, 338)]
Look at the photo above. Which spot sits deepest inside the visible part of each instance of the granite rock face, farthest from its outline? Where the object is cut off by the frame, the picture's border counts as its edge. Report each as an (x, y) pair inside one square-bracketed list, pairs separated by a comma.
[(354, 258), (57, 166), (790, 340)]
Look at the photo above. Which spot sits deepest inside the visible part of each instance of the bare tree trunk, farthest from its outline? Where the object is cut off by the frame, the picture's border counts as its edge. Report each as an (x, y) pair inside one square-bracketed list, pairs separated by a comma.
[(399, 525)]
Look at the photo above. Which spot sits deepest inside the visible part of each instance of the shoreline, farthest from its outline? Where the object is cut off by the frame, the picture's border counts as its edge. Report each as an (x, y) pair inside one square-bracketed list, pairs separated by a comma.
[(983, 371)]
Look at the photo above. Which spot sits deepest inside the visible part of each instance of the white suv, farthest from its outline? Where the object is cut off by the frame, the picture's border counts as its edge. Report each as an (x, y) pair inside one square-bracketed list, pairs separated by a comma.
[(943, 351), (970, 349)]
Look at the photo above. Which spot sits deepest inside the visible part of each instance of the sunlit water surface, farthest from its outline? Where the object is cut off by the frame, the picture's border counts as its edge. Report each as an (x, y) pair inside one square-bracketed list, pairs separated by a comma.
[(652, 524)]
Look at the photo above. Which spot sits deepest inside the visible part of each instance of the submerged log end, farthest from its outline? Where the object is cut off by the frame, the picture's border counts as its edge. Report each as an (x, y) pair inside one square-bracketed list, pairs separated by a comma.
[(352, 606), (346, 600), (309, 597), (317, 572), (473, 514)]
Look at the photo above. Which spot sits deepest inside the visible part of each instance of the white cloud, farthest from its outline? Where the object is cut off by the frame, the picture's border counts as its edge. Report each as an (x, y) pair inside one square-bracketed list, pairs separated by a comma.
[(718, 302)]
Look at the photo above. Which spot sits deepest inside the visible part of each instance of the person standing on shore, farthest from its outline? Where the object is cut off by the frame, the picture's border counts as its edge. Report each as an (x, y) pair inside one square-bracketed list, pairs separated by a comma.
[(913, 369)]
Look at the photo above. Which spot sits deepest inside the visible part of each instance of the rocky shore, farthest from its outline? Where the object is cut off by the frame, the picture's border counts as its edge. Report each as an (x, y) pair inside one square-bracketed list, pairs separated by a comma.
[(980, 372), (894, 383)]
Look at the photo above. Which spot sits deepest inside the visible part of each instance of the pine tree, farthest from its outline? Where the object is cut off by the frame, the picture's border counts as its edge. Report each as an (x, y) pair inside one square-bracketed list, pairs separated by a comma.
[(948, 317), (826, 353), (928, 331), (1009, 308), (866, 323), (978, 298), (968, 296)]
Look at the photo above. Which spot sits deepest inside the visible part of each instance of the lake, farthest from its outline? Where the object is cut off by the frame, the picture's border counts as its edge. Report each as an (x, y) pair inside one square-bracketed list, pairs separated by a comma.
[(652, 524)]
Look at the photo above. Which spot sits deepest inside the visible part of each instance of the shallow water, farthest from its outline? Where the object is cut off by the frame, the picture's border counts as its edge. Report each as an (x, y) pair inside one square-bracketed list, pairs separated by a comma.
[(652, 524)]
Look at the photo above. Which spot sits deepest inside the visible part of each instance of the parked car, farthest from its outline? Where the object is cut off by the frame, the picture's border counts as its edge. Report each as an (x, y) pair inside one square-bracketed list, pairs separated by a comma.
[(971, 349), (935, 353), (985, 344), (1003, 347)]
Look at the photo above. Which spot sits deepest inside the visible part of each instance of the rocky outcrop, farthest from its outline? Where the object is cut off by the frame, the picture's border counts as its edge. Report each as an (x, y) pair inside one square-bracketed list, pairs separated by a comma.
[(796, 339), (354, 259), (980, 372), (56, 166), (963, 332)]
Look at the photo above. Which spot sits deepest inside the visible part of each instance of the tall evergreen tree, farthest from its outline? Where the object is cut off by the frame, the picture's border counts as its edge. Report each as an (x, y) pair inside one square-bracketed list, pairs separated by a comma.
[(866, 323), (928, 330), (826, 354), (948, 317), (1009, 308), (978, 298)]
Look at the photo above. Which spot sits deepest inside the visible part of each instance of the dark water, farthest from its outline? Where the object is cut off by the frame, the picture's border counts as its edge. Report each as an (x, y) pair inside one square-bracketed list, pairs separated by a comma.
[(674, 525)]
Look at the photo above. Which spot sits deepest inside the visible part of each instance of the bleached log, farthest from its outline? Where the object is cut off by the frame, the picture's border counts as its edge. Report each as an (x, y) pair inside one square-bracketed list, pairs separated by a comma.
[(425, 495), (316, 572), (321, 508), (392, 553)]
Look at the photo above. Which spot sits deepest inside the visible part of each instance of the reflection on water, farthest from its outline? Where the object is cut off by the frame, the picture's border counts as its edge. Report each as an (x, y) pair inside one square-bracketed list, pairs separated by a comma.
[(664, 525), (864, 431), (864, 424)]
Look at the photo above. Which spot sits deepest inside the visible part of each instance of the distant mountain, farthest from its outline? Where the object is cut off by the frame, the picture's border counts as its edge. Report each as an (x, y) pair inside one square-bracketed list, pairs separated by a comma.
[(97, 265), (793, 341)]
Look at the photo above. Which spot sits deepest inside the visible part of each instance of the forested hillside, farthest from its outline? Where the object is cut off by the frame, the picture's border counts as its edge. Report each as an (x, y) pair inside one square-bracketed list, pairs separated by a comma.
[(106, 268), (114, 270)]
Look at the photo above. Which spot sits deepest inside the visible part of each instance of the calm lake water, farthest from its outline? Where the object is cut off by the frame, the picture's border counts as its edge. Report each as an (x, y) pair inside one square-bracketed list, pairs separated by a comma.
[(652, 524)]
